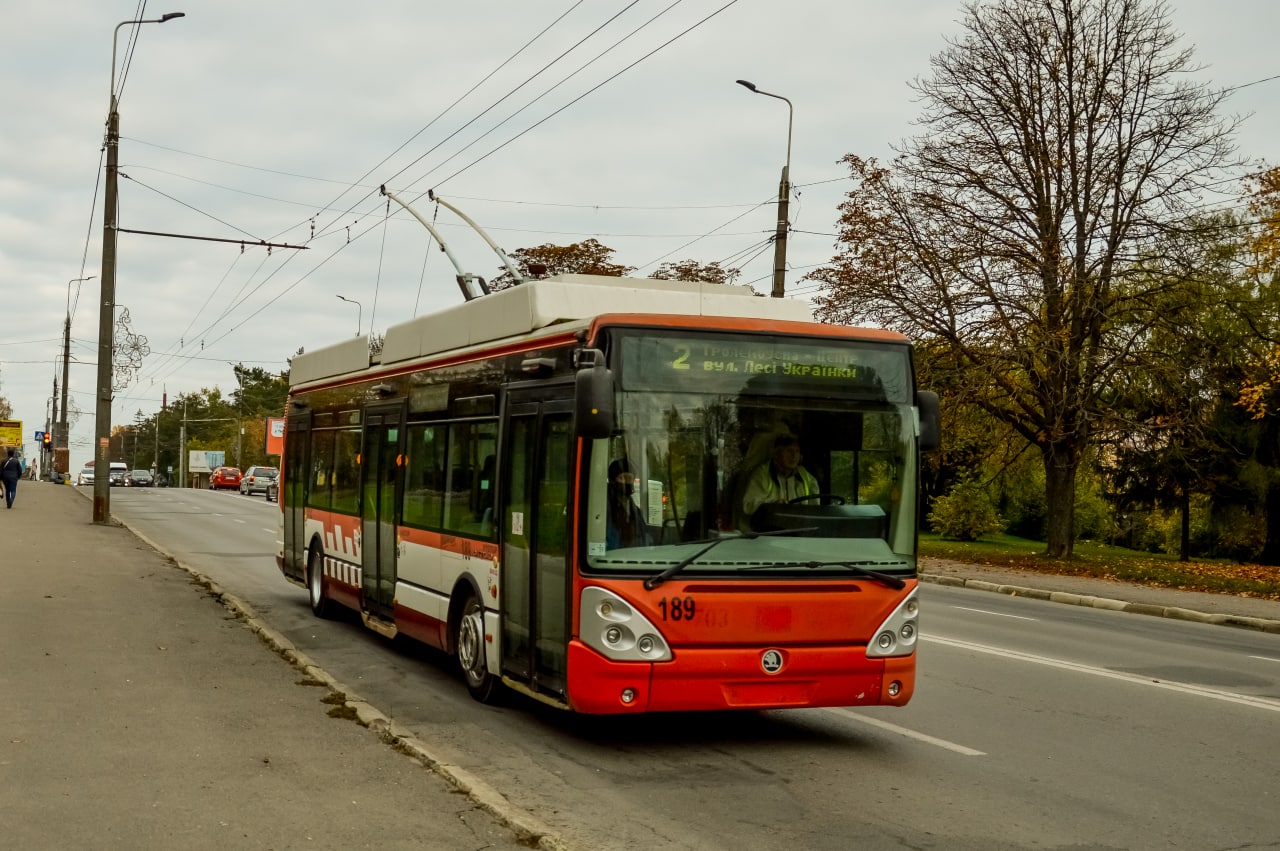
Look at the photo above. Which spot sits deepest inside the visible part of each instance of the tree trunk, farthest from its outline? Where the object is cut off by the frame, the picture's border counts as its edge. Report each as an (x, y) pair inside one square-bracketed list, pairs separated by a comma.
[(1184, 544), (1271, 549), (1060, 464)]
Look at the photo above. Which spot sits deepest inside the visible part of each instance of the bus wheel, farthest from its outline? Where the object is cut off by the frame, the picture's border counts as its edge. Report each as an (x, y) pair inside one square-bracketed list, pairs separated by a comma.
[(469, 643), (321, 606)]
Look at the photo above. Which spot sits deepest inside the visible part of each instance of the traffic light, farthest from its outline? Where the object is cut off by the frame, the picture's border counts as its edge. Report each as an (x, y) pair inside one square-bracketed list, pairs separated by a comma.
[(48, 440)]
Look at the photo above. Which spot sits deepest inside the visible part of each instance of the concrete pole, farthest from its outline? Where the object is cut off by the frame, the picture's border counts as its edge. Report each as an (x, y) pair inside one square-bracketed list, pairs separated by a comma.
[(106, 323)]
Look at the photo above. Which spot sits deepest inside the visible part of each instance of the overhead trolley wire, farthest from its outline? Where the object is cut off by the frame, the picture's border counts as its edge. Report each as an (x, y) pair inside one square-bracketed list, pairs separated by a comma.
[(589, 91), (326, 229)]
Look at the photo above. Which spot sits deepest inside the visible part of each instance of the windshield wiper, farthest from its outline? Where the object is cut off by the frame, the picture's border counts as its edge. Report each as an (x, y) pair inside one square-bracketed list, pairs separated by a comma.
[(858, 567), (657, 579)]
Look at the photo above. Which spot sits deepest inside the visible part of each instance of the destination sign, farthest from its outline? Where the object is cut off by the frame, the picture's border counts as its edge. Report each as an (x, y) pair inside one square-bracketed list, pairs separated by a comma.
[(719, 365)]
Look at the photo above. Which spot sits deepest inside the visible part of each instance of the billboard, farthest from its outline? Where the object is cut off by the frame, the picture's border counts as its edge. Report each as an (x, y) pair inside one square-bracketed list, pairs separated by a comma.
[(275, 435), (10, 432)]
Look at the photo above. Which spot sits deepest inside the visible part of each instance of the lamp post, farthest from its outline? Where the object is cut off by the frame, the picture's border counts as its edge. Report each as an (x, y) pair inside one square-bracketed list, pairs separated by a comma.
[(784, 197), (107, 307), (359, 313), (61, 436)]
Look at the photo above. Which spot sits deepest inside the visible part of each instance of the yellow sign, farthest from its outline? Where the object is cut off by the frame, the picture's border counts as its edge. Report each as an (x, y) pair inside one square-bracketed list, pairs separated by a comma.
[(10, 432)]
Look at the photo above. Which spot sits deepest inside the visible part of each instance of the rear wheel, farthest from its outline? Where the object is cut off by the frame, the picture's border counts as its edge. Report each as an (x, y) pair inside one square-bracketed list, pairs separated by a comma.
[(469, 643), (321, 605)]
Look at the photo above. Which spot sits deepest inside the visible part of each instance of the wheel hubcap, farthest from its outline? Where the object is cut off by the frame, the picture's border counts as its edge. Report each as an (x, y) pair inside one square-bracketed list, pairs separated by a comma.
[(314, 579), (470, 645)]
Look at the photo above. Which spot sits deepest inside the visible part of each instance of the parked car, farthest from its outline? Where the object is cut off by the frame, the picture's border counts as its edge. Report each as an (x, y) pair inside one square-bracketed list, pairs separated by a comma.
[(119, 473), (256, 479), (85, 477), (140, 479), (225, 477)]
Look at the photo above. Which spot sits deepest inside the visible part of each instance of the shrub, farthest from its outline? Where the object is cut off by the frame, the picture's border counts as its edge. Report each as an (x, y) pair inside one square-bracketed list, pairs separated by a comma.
[(966, 513)]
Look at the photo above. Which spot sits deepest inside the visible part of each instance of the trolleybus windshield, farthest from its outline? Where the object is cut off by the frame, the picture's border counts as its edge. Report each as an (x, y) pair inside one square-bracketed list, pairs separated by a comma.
[(706, 425)]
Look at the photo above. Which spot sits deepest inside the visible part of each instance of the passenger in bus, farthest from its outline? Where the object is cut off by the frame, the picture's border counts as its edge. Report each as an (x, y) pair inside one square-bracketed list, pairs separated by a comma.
[(780, 479), (625, 526)]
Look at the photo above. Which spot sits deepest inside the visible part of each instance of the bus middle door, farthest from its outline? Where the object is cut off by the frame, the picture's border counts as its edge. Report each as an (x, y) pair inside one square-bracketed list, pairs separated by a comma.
[(380, 463)]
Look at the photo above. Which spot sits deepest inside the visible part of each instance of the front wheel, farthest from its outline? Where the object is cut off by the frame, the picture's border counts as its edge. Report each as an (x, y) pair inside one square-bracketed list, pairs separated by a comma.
[(321, 605), (470, 646)]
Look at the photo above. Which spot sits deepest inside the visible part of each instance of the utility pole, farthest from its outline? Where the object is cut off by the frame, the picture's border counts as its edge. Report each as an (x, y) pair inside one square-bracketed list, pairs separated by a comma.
[(61, 434), (46, 457), (107, 302), (182, 449)]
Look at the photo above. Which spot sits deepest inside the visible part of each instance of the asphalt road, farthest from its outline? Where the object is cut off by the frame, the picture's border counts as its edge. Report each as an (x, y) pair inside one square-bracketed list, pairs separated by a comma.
[(1034, 725)]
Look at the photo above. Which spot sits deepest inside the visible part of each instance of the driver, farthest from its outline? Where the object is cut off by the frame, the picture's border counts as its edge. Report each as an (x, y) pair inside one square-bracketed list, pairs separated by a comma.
[(781, 479)]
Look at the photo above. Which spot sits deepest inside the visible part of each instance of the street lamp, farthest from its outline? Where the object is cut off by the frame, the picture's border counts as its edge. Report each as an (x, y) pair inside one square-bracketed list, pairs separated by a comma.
[(107, 307), (359, 313), (784, 196)]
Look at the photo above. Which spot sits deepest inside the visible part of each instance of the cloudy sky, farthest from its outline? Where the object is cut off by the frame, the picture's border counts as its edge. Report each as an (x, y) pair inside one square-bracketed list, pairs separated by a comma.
[(543, 120)]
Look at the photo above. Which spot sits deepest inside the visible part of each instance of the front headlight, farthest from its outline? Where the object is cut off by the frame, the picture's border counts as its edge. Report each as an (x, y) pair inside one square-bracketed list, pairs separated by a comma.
[(611, 627), (896, 635)]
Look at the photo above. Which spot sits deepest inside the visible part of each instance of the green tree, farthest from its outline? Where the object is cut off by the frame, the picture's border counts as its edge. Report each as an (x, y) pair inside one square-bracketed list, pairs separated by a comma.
[(1061, 137)]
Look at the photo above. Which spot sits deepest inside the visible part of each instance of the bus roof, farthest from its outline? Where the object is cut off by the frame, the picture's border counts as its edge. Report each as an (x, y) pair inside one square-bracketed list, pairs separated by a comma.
[(537, 305)]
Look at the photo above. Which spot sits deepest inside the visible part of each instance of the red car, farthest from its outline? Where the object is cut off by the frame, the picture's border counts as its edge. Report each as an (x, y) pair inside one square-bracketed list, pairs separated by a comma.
[(225, 477)]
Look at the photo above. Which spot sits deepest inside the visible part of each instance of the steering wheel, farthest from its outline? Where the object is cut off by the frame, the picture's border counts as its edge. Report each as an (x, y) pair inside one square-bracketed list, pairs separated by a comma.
[(827, 499)]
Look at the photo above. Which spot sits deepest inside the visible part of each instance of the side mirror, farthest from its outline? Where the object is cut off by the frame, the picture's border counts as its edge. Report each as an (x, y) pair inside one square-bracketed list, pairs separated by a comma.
[(593, 416), (930, 420)]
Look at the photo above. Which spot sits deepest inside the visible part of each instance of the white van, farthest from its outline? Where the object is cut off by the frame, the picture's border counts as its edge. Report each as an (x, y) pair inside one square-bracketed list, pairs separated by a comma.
[(119, 472)]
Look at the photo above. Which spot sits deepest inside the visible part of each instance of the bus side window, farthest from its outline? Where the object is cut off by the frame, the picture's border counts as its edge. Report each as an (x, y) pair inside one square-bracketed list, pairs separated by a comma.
[(345, 478), (424, 482), (463, 512), (319, 494)]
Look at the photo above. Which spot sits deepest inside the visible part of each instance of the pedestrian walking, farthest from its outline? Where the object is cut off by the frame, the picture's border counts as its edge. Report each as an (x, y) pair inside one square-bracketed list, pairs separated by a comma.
[(10, 472)]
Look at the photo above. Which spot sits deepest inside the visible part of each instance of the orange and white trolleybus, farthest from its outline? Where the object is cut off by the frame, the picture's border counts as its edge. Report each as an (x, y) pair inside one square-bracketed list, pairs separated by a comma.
[(577, 487)]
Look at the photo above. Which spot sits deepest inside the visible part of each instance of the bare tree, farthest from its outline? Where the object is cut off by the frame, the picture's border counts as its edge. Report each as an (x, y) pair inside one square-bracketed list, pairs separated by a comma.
[(1060, 139)]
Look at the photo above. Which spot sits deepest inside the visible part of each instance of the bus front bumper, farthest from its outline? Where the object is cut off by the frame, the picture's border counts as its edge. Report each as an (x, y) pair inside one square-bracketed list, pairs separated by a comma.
[(699, 679)]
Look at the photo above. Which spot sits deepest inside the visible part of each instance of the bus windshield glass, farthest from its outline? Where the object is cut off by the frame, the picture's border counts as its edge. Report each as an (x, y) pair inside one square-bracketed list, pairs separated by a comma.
[(795, 455)]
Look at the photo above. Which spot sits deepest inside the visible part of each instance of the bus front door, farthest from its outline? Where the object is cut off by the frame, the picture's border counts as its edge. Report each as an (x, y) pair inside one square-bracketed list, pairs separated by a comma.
[(380, 461), (537, 514)]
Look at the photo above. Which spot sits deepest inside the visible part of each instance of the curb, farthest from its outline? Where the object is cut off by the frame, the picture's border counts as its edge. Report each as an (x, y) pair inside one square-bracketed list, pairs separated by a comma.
[(526, 826), (1239, 621)]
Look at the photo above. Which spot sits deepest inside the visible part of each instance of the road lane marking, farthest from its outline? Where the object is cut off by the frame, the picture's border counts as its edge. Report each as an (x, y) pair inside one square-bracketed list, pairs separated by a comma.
[(238, 520), (904, 731), (1229, 697), (997, 614), (269, 531), (1265, 658)]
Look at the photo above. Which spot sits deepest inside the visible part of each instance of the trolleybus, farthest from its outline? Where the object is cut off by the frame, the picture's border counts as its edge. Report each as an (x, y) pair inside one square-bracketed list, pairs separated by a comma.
[(454, 487)]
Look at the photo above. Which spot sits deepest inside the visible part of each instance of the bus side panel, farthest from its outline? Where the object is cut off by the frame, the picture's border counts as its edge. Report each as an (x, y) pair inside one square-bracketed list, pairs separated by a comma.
[(339, 537), (411, 607), (428, 570)]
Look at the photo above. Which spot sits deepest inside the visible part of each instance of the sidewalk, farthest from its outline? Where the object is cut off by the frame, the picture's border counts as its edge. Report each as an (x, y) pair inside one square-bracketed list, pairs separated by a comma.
[(1221, 609), (139, 713)]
